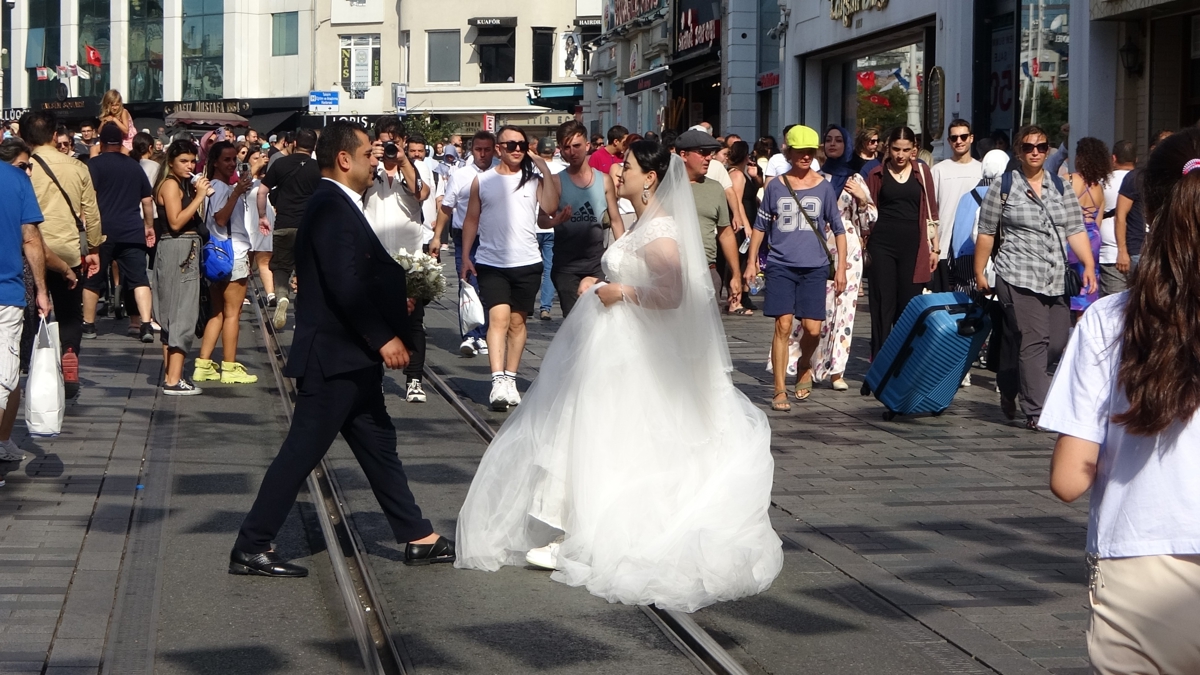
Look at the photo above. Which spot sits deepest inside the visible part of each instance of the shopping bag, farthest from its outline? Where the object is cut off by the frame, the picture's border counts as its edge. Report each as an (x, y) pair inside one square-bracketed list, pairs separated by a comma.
[(44, 397), (470, 309)]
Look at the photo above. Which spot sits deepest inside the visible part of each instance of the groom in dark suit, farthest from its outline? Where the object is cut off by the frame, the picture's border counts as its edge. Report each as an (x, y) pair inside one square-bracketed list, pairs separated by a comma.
[(352, 316)]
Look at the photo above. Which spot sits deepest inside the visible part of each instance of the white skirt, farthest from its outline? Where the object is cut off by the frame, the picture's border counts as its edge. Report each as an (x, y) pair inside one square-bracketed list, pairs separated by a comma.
[(660, 500)]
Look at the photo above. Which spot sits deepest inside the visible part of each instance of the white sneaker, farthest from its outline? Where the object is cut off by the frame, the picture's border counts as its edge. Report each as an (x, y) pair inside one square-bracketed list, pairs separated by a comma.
[(481, 346), (966, 381), (510, 390), (545, 557), (467, 348), (10, 452), (498, 399), (415, 394), (279, 320)]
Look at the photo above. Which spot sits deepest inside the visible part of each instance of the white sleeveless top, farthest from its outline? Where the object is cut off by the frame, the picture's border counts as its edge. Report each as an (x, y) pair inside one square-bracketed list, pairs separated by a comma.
[(507, 221)]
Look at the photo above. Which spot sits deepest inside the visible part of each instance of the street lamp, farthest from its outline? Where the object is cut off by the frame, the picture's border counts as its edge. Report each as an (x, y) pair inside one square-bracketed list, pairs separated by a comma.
[(1131, 57)]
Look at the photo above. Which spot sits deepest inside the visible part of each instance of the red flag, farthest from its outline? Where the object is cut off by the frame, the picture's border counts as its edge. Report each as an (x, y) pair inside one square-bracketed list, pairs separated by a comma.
[(1036, 68), (880, 100), (867, 79), (43, 73), (93, 56)]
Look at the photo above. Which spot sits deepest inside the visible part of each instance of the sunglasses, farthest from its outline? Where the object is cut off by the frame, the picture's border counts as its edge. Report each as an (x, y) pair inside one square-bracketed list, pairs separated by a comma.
[(24, 166), (704, 152), (514, 146), (873, 141), (65, 144), (1042, 148), (960, 137)]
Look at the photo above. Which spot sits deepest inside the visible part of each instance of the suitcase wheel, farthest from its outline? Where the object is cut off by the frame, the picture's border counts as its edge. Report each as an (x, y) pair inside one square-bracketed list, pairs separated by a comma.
[(889, 416)]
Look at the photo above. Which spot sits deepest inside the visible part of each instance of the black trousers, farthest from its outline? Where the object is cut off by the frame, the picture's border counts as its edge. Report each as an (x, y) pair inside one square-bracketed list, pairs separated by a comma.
[(283, 260), (567, 285), (351, 403), (68, 307), (890, 289), (416, 356)]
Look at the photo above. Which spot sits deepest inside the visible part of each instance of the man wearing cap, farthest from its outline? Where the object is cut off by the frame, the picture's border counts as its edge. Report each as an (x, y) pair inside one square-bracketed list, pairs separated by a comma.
[(124, 197), (696, 148)]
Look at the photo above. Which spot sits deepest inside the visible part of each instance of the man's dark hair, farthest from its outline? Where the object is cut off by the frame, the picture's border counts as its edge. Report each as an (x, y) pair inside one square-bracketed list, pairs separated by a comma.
[(37, 128), (143, 144), (959, 122), (390, 124), (338, 137), (668, 140), (254, 130), (483, 136), (418, 139), (616, 133), (1027, 131), (62, 130), (1125, 152), (306, 139), (12, 148), (570, 129), (596, 138), (92, 122)]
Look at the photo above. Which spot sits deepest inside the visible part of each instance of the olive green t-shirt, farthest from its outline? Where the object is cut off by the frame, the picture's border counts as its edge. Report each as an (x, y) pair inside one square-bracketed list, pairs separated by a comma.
[(713, 212)]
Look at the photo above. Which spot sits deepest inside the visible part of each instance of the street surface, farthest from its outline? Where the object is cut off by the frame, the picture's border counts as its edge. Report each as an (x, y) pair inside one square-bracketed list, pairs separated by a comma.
[(921, 545)]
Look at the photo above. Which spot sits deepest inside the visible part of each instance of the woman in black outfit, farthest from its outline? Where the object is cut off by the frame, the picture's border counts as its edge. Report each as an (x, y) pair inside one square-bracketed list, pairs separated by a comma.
[(901, 247)]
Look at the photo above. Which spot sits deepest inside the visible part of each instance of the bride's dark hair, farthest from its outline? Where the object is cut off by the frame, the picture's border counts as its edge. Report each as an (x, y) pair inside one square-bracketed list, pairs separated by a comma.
[(652, 156), (1160, 355)]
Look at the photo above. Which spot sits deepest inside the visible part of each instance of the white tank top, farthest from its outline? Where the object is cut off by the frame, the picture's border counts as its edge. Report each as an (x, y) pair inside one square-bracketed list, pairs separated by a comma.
[(507, 221)]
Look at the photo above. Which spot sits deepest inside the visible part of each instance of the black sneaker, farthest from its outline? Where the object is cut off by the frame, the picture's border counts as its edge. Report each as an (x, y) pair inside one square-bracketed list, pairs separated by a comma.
[(89, 331), (181, 388), (147, 333)]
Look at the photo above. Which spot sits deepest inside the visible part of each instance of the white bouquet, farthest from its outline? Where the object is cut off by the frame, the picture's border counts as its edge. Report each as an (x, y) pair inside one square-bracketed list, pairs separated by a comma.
[(425, 282)]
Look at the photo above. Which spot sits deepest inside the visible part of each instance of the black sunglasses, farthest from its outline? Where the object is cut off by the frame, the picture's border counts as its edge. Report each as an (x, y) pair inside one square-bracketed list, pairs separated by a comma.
[(873, 140), (1042, 148), (959, 137), (703, 152), (24, 166), (513, 146)]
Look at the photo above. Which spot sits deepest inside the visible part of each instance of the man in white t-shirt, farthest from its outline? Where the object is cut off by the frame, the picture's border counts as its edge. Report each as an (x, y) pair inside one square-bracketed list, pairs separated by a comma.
[(778, 164), (453, 211), (952, 178), (416, 154), (392, 206), (1112, 280)]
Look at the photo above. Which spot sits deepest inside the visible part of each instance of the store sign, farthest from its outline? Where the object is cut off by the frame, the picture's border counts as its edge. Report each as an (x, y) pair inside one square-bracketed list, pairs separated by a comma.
[(589, 22), (618, 13), (694, 34), (492, 21), (1003, 81), (13, 113), (768, 80), (845, 10), (489, 123), (78, 105), (647, 81), (230, 106)]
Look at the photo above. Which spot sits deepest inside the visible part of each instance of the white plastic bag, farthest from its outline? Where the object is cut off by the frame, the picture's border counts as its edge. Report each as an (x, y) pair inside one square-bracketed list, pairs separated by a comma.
[(44, 396), (470, 309)]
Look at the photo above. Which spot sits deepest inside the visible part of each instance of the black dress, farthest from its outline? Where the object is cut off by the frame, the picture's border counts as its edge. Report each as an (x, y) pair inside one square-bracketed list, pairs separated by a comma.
[(893, 246)]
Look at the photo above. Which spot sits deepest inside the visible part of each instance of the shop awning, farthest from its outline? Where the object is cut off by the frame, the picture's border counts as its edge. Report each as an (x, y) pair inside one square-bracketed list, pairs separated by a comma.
[(216, 119), (562, 97), (648, 80), (494, 37), (267, 123)]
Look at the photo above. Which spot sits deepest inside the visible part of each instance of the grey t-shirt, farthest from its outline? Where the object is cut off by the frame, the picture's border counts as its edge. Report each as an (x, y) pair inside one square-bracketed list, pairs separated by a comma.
[(713, 212)]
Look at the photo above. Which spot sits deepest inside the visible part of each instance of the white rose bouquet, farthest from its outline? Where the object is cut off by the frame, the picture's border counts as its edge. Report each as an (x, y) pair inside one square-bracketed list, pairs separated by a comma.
[(424, 279)]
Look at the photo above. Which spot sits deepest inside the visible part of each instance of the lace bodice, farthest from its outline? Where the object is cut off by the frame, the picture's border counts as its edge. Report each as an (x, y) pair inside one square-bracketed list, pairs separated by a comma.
[(625, 261)]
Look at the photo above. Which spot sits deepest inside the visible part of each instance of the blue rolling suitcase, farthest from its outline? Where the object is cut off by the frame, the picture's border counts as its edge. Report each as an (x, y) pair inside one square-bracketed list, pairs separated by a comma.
[(927, 354)]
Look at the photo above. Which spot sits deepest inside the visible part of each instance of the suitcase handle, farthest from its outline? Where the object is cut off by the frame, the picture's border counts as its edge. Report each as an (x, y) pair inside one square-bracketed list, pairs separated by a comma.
[(919, 329)]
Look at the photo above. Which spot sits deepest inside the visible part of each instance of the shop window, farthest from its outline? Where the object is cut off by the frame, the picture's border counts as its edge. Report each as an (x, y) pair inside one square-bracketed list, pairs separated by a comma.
[(5, 50), (543, 54), (884, 83), (360, 63), (285, 34), (1045, 50), (94, 21), (444, 59), (405, 56), (145, 51), (42, 47), (497, 54), (203, 50)]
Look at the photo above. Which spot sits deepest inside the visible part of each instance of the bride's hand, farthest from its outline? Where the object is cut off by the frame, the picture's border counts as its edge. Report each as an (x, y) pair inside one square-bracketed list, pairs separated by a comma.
[(610, 294), (585, 285)]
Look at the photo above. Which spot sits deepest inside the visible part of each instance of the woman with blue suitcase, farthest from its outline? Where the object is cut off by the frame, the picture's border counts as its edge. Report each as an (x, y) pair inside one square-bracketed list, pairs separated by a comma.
[(796, 206)]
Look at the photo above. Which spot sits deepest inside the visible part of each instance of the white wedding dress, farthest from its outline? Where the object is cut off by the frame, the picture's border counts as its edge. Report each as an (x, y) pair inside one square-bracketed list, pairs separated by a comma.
[(633, 442)]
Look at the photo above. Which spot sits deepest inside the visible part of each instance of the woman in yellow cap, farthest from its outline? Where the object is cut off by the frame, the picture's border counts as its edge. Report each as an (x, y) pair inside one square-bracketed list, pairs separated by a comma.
[(796, 206)]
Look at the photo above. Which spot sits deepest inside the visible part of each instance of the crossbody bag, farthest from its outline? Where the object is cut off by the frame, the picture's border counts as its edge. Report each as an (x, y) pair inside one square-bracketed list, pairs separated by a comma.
[(820, 235), (83, 242)]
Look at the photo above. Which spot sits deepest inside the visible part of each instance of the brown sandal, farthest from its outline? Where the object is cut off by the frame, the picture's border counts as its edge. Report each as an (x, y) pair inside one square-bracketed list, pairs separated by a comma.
[(803, 390), (781, 406)]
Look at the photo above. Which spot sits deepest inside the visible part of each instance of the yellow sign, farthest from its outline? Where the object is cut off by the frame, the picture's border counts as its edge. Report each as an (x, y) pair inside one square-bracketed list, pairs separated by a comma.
[(846, 9)]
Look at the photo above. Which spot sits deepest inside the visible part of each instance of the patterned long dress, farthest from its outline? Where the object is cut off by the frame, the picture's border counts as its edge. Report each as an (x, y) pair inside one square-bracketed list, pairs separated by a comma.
[(834, 350)]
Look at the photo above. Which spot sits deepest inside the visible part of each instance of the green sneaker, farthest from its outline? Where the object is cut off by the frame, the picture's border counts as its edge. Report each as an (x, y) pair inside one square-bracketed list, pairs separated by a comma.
[(235, 373), (206, 371)]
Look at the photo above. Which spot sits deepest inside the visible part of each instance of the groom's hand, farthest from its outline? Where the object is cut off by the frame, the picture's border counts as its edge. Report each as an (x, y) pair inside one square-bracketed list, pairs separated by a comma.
[(395, 354)]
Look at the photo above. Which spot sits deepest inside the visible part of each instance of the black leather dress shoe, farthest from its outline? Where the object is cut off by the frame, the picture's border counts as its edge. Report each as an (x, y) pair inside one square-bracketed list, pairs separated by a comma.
[(440, 551), (267, 564)]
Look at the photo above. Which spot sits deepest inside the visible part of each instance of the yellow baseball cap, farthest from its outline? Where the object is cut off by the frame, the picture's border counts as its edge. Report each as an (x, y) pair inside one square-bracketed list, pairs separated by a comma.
[(801, 136)]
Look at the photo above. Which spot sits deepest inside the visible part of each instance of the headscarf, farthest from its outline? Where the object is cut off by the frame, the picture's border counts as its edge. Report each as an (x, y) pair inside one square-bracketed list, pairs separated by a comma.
[(839, 169)]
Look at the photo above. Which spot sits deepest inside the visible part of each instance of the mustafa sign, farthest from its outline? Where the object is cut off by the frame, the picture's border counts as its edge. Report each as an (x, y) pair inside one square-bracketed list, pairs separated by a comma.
[(697, 27), (618, 13)]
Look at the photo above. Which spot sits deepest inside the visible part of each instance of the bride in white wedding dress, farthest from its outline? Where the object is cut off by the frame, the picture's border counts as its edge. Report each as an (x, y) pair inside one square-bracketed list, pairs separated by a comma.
[(633, 462)]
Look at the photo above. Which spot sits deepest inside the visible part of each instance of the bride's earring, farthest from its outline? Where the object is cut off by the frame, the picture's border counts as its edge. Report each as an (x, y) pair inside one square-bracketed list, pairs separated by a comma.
[(646, 194)]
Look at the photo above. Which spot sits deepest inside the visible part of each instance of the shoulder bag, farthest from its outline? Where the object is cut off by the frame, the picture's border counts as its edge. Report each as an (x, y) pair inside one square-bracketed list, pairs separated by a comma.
[(217, 255), (83, 242), (820, 235)]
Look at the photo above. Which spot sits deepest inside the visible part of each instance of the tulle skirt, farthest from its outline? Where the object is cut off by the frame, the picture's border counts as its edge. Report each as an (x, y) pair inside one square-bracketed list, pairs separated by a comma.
[(659, 485)]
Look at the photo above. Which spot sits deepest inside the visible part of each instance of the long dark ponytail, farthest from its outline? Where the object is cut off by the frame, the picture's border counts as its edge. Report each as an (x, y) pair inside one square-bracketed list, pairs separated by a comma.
[(527, 170), (1160, 355)]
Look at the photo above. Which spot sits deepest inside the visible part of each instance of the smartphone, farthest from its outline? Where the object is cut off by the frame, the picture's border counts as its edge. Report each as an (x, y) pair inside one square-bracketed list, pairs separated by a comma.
[(243, 169)]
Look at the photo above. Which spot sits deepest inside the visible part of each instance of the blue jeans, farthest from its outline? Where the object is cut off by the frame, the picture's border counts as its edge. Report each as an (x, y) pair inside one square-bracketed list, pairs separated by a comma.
[(546, 243), (456, 236)]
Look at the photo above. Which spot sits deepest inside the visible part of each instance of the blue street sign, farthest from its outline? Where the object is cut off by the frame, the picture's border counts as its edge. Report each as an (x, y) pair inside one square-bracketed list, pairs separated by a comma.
[(323, 101)]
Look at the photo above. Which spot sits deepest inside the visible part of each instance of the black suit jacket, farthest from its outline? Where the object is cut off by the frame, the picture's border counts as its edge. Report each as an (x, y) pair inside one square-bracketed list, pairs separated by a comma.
[(352, 298)]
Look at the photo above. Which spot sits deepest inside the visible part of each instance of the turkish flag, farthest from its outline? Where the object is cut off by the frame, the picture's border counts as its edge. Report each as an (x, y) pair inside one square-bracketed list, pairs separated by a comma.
[(1037, 68), (880, 100), (93, 56), (867, 79)]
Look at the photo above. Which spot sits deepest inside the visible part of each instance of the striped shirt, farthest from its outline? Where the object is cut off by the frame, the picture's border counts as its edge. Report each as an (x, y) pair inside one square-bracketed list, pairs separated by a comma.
[(1031, 251)]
